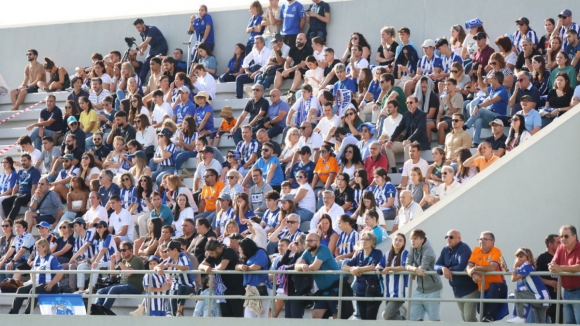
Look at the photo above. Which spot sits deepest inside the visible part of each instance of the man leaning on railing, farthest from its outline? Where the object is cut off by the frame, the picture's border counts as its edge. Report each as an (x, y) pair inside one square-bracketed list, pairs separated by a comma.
[(567, 259)]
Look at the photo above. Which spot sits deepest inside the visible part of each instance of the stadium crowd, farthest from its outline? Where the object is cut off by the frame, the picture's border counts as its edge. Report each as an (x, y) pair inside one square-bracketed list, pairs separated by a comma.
[(321, 200)]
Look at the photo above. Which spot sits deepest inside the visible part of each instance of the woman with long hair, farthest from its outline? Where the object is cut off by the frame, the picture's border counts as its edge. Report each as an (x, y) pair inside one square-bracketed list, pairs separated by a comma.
[(564, 65), (350, 162), (63, 248), (357, 38), (142, 207), (464, 173), (104, 247), (128, 192), (128, 83), (305, 197), (343, 193), (231, 227), (287, 207), (204, 234), (361, 184), (186, 141), (328, 237), (407, 68), (88, 117), (365, 78), (433, 176), (242, 211), (181, 211), (457, 38), (116, 76), (255, 258), (150, 241), (385, 55), (224, 216), (419, 188), (544, 42), (140, 167), (145, 133), (394, 261), (70, 110), (290, 145), (464, 84), (137, 108), (88, 169), (552, 52), (368, 202), (352, 122), (559, 98), (99, 71), (207, 59), (385, 194), (58, 80), (540, 74), (8, 179), (76, 199), (497, 63), (293, 308), (371, 95), (180, 80), (176, 187), (366, 260), (518, 132), (234, 65)]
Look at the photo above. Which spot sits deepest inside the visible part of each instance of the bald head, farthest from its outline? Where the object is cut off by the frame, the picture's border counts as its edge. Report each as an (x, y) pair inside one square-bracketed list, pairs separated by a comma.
[(300, 40), (452, 238)]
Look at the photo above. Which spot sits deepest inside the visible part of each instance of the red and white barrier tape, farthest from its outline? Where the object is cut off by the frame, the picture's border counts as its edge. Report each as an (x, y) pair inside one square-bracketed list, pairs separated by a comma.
[(28, 108), (7, 148)]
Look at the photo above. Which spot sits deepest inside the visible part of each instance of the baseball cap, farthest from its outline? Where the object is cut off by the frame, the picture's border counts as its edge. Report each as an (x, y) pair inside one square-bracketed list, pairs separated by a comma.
[(496, 122), (236, 236), (523, 20), (68, 157), (139, 154), (165, 132), (527, 98), (225, 196), (207, 149), (305, 150), (277, 37), (71, 120), (480, 35), (43, 224), (184, 89), (100, 223), (79, 220), (287, 197), (153, 258), (565, 13), (429, 43)]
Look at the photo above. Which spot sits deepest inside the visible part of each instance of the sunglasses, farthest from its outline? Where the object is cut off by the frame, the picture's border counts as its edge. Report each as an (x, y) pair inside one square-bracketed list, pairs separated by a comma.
[(521, 80), (299, 177), (231, 177), (348, 152), (229, 156), (515, 119), (137, 121), (323, 151), (134, 101), (493, 63), (73, 123), (125, 179), (265, 150), (256, 90), (449, 237), (123, 250), (63, 227), (444, 173), (454, 71), (5, 162), (565, 236), (100, 227), (302, 128), (5, 225), (292, 222), (68, 107), (456, 120), (409, 102)]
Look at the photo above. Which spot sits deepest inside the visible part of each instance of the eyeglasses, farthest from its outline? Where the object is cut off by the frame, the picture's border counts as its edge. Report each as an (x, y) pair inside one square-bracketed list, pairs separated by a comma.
[(444, 173), (265, 150), (230, 156), (521, 80), (516, 119), (29, 54), (73, 123), (137, 121), (493, 63), (299, 177), (449, 237), (123, 250), (456, 120), (409, 102), (5, 162), (68, 107), (134, 101), (454, 71), (231, 177), (483, 239), (100, 227), (383, 81), (5, 225), (144, 180), (292, 222), (63, 227), (207, 176), (256, 90), (323, 151), (97, 139), (354, 38), (565, 236)]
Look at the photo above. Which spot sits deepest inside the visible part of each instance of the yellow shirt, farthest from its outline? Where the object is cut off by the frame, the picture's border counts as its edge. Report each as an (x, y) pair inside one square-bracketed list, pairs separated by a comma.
[(86, 119)]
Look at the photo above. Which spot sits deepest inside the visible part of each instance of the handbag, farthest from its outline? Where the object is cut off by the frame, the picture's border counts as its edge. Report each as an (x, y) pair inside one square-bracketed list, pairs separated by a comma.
[(373, 288), (263, 290)]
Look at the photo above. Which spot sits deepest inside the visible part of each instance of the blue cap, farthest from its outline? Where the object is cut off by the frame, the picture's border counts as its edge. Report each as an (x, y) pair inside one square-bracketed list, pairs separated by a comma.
[(68, 157), (154, 258), (71, 120), (371, 127), (139, 154), (236, 154), (79, 220), (43, 224), (166, 132), (476, 22)]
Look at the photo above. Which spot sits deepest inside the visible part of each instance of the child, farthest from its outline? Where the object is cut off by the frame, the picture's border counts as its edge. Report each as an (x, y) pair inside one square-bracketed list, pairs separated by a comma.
[(160, 284), (270, 219), (286, 188), (202, 306), (115, 158), (528, 287), (227, 124)]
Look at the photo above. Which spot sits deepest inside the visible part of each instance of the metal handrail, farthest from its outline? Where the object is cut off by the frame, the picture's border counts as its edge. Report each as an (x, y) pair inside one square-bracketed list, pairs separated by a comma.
[(339, 298)]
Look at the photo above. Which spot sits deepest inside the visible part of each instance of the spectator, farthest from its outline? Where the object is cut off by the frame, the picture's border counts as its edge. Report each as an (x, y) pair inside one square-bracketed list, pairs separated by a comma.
[(344, 139), (484, 51), (529, 287), (28, 179), (131, 283), (290, 147), (356, 64), (559, 99), (414, 160), (550, 281), (367, 202), (59, 80), (450, 104), (356, 39), (183, 107), (385, 55), (347, 239), (385, 194), (305, 164), (45, 283), (350, 160), (162, 109), (122, 226), (428, 65), (326, 168), (419, 188), (129, 83), (209, 193), (203, 80), (17, 256), (49, 123), (204, 234), (204, 113), (207, 162), (487, 258), (494, 104), (453, 258), (260, 56), (33, 74), (498, 139), (307, 108), (420, 260), (25, 144), (366, 285), (157, 73), (540, 74), (289, 226), (97, 94), (255, 26), (368, 136), (448, 57), (8, 180), (152, 37), (328, 63), (395, 260), (343, 83), (146, 134), (88, 119), (504, 45), (524, 31), (255, 258), (544, 42), (170, 69), (120, 127), (136, 108), (295, 66), (77, 91), (552, 52), (234, 65), (107, 189), (483, 158), (527, 52), (164, 157), (408, 211), (564, 25), (524, 87), (518, 132), (457, 138), (447, 187), (293, 20), (433, 177), (45, 206), (343, 193), (317, 16), (563, 62), (330, 208), (375, 160), (203, 27)]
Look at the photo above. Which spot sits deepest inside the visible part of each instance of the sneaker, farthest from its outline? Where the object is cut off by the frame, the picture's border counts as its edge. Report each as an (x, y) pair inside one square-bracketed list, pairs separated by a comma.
[(516, 320), (487, 319), (474, 145), (394, 170), (248, 91), (46, 89), (138, 312), (353, 317), (290, 98)]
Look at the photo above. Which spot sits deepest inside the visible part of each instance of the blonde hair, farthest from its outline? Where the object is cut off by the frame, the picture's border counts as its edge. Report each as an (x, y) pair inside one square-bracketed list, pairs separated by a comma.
[(291, 131), (168, 123), (390, 30), (43, 243), (65, 222), (129, 66), (236, 174)]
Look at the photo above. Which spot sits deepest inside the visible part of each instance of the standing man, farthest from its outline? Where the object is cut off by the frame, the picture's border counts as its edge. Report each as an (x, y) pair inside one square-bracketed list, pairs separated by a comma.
[(49, 123), (152, 37), (421, 259), (318, 16), (551, 281), (487, 258), (33, 74), (293, 20), (567, 259), (254, 106), (28, 179), (454, 258)]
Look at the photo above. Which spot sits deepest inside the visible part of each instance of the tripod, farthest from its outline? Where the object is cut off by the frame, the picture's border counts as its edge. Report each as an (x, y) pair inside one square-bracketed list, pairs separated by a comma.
[(126, 55)]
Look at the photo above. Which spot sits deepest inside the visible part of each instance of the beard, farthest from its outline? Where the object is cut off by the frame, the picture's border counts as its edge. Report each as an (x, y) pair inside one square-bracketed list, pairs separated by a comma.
[(299, 44), (70, 147), (312, 248)]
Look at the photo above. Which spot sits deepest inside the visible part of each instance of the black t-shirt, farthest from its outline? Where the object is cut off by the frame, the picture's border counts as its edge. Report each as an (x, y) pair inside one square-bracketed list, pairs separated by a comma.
[(557, 102), (102, 152), (128, 132), (320, 9), (328, 69), (342, 198), (521, 61), (253, 108), (433, 103), (299, 55), (189, 240), (78, 154), (61, 243), (542, 262), (233, 282), (497, 143), (390, 48), (200, 242), (176, 69)]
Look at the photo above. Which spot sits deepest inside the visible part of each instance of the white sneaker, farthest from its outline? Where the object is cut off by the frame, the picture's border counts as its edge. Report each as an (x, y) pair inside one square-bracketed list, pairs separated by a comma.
[(138, 312), (516, 320), (353, 317)]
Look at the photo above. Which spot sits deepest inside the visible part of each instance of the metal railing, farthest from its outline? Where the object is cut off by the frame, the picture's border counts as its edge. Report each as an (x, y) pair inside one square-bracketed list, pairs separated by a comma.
[(409, 298)]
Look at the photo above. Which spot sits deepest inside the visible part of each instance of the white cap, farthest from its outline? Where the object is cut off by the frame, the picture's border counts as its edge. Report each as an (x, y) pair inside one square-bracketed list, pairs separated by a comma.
[(429, 43)]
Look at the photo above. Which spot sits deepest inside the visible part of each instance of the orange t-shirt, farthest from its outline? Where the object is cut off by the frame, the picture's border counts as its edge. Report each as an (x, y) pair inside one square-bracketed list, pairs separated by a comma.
[(478, 258), (227, 126), (482, 164), (324, 169), (210, 194)]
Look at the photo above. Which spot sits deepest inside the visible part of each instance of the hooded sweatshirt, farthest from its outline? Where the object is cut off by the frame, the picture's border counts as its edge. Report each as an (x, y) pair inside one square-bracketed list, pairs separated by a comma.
[(424, 257)]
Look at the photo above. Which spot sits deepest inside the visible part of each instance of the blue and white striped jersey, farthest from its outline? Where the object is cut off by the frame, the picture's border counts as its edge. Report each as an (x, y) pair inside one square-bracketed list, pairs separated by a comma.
[(428, 65), (48, 263), (271, 218), (107, 243), (181, 279), (563, 30), (396, 284), (346, 242), (169, 161), (128, 196), (157, 281), (246, 150), (80, 241), (224, 218), (285, 234), (446, 62), (531, 34)]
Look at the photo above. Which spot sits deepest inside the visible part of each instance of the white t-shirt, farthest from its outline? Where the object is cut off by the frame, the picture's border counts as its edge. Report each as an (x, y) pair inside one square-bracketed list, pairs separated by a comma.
[(106, 79), (94, 170), (422, 164), (146, 112), (335, 212), (118, 221), (390, 124), (511, 58), (35, 156), (186, 213), (408, 214), (442, 192), (92, 214), (146, 137), (201, 168), (314, 77), (314, 142), (309, 201), (325, 125), (360, 64), (161, 111)]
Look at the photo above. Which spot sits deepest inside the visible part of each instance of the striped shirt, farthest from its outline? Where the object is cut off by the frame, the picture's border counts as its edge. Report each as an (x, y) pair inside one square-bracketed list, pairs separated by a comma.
[(382, 195), (396, 284), (532, 283), (107, 243), (358, 196), (286, 235), (79, 242), (446, 62), (169, 161), (98, 99), (225, 218), (46, 263), (346, 242), (428, 65), (303, 107), (246, 150), (189, 139), (181, 279), (157, 281), (271, 218), (128, 196), (7, 181), (531, 34), (563, 30)]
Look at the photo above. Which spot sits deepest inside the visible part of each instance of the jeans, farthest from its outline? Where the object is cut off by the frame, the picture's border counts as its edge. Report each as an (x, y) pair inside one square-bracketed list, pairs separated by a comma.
[(158, 174), (368, 309), (112, 290), (305, 215), (419, 308), (89, 142), (312, 33), (482, 119), (17, 303), (237, 136), (249, 46), (227, 78), (120, 96), (37, 140), (265, 81), (571, 311), (181, 290), (240, 81), (293, 308), (393, 310), (182, 157), (275, 131)]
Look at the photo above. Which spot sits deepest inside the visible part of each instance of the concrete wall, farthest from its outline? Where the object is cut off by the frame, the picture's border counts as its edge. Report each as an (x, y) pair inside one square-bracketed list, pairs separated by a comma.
[(521, 199), (71, 44)]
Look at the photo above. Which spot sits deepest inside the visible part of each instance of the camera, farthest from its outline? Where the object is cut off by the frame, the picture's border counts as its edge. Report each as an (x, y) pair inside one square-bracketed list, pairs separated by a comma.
[(130, 41)]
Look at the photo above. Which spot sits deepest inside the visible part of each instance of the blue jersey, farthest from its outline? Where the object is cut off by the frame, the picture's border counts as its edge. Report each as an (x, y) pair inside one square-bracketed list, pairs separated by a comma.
[(109, 244), (278, 177), (446, 62), (396, 284), (360, 260), (128, 197), (158, 44), (181, 279), (183, 110), (200, 113), (246, 150), (259, 258), (271, 218), (79, 242), (300, 166), (255, 21), (157, 281), (244, 227), (291, 15), (46, 263), (531, 34), (428, 65), (347, 83), (7, 181), (346, 242), (531, 283), (125, 166), (382, 195), (200, 24), (168, 161), (26, 179)]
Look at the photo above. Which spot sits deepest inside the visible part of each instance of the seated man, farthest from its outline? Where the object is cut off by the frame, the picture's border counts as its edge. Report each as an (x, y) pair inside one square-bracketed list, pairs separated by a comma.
[(289, 228), (356, 64), (121, 225), (170, 69), (161, 111), (98, 93), (429, 65), (78, 139), (409, 210), (248, 148), (528, 51), (530, 114), (331, 208), (274, 120), (263, 137), (107, 189), (33, 74), (49, 123), (26, 185), (278, 56), (61, 183), (447, 187), (375, 160), (308, 138), (121, 127), (99, 150), (390, 123), (487, 258), (493, 105), (523, 87), (49, 154), (450, 104), (294, 67), (258, 191), (260, 56), (413, 161), (207, 162), (17, 256), (203, 81), (498, 139), (254, 106), (448, 57), (329, 123), (457, 138), (328, 64), (343, 82), (25, 144), (45, 206), (270, 166), (130, 283), (209, 194), (483, 158)]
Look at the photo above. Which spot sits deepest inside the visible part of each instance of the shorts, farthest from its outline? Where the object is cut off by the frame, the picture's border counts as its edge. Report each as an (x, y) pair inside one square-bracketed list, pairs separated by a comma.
[(418, 308), (291, 75), (45, 218), (33, 89), (124, 238), (448, 120), (158, 313), (327, 305)]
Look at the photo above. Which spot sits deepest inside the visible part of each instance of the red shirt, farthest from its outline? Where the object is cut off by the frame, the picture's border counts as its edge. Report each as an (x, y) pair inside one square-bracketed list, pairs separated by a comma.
[(565, 258), (371, 165), (482, 56)]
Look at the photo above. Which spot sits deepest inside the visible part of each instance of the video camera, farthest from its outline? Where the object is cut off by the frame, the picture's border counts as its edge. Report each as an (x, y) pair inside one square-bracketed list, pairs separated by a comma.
[(130, 41)]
